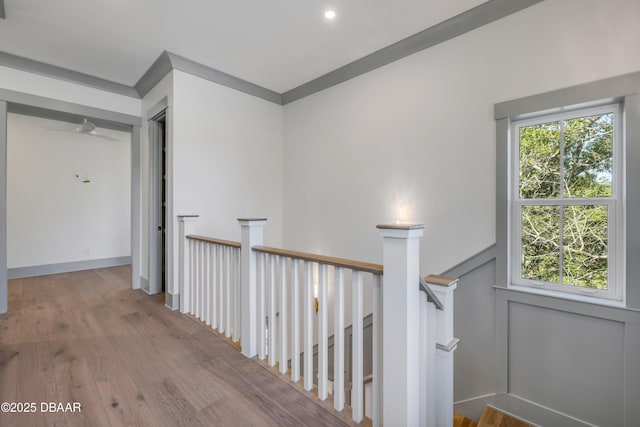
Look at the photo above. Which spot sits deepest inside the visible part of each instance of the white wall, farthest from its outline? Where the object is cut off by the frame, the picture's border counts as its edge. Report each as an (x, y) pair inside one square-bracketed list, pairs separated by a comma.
[(226, 160), (52, 217), (418, 135)]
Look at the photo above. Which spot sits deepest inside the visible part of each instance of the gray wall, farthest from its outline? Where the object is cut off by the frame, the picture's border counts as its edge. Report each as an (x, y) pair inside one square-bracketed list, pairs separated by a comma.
[(557, 362), (567, 361), (579, 359), (474, 324)]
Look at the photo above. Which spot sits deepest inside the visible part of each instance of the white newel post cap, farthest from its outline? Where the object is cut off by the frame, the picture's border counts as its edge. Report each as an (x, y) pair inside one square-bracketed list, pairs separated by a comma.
[(252, 221), (187, 218), (401, 231)]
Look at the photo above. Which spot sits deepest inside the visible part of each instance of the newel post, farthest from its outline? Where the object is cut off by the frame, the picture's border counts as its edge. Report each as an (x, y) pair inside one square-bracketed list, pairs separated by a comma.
[(187, 226), (401, 261), (252, 235), (446, 344)]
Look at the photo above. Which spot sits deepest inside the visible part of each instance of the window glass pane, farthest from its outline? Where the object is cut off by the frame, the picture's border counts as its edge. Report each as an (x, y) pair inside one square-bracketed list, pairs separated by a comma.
[(540, 161), (588, 156), (584, 248), (541, 243)]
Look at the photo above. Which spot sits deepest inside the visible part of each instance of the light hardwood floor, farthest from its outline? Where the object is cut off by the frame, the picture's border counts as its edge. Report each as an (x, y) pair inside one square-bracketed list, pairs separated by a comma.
[(87, 337)]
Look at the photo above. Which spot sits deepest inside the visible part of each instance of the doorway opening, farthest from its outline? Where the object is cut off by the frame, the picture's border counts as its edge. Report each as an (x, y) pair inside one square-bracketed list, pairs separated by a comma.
[(158, 199)]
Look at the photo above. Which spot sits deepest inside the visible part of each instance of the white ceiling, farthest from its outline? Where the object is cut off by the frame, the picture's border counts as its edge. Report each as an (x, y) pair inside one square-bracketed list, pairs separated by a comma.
[(277, 44)]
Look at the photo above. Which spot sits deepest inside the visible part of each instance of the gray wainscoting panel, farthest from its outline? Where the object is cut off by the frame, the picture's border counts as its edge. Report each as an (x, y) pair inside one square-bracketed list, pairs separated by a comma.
[(568, 362), (474, 324)]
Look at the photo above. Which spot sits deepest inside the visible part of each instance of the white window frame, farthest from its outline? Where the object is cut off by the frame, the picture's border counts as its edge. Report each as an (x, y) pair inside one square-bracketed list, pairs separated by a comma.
[(615, 205)]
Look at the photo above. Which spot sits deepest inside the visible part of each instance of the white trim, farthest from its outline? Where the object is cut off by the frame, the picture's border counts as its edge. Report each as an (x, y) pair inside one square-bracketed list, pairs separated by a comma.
[(615, 206), (565, 295)]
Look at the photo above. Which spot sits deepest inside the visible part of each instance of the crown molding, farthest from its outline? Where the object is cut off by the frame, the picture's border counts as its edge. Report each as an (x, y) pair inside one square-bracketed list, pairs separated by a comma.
[(158, 70), (470, 20), (48, 70)]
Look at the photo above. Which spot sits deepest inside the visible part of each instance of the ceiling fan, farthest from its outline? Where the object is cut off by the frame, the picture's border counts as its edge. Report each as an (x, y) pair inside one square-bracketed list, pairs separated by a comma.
[(88, 128)]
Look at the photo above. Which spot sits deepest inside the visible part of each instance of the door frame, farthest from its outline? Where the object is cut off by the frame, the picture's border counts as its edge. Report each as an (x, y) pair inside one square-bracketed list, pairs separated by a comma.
[(155, 115), (39, 106)]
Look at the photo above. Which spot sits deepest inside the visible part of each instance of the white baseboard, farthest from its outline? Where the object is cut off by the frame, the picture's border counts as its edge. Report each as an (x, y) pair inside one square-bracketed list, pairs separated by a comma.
[(66, 267)]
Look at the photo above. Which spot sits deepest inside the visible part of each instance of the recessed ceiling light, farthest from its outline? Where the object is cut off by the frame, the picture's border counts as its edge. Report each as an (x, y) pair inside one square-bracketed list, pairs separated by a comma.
[(330, 14)]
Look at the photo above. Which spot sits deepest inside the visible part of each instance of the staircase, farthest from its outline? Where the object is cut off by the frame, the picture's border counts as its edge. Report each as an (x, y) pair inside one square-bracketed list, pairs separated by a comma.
[(491, 417), (280, 305)]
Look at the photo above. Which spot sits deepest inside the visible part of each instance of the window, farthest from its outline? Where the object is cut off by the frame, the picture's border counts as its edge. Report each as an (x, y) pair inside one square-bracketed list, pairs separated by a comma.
[(566, 202)]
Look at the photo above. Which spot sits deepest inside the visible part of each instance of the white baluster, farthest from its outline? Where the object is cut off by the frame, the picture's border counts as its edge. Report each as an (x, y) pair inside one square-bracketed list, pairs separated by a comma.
[(237, 283), (307, 312), (262, 313), (357, 373), (323, 333), (192, 276), (423, 332), (338, 340), (221, 275), (376, 386), (227, 293), (284, 357), (430, 359), (207, 284), (199, 303), (203, 281), (210, 287), (295, 322), (272, 310), (214, 286), (196, 278)]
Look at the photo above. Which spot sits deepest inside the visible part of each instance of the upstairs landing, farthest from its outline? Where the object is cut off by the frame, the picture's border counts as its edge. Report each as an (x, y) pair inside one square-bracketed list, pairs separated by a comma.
[(87, 337)]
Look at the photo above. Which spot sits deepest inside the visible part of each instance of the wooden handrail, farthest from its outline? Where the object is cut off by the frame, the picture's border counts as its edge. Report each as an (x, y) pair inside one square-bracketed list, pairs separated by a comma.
[(215, 241), (337, 262), (434, 279), (431, 297)]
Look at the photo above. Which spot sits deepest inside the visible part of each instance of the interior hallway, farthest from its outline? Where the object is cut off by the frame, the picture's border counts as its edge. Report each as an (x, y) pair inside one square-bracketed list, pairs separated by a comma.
[(87, 337)]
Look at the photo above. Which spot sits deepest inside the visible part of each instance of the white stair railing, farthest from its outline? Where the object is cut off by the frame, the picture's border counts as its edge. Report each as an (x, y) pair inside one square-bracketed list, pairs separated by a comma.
[(268, 298), (285, 289), (210, 281)]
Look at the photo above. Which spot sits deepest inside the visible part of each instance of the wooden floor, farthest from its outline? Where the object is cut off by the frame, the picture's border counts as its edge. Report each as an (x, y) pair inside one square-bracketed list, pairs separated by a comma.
[(87, 337)]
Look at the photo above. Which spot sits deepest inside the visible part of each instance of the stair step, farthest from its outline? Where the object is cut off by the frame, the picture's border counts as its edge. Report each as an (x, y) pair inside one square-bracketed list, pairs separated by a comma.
[(491, 417), (460, 420)]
